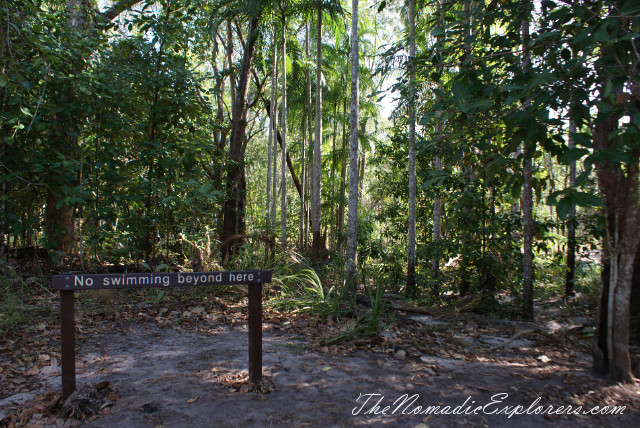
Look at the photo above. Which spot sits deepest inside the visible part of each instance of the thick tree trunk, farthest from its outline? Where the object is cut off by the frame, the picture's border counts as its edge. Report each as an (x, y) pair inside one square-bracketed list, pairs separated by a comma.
[(317, 144), (619, 189), (352, 223), (58, 215), (233, 209), (411, 236)]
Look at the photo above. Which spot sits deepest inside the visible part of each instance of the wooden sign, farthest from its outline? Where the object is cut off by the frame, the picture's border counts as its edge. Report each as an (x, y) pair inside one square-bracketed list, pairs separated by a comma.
[(70, 283), (81, 281)]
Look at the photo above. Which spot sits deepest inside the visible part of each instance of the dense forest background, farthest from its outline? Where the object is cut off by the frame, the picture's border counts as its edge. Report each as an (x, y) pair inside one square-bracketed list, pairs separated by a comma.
[(427, 148)]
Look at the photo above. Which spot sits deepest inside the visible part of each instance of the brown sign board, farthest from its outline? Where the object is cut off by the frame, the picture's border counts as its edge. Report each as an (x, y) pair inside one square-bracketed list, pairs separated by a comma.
[(81, 281), (69, 283)]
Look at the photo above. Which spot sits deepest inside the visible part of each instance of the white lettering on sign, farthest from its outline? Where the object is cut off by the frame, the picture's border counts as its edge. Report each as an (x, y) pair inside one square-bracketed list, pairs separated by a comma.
[(116, 280), (241, 277), (196, 279), (80, 282)]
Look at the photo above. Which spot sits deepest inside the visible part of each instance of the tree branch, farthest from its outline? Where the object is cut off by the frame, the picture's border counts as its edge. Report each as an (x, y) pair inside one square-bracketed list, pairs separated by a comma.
[(117, 9)]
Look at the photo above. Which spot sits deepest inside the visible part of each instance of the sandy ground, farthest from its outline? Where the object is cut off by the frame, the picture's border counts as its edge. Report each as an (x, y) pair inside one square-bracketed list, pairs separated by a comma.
[(173, 377)]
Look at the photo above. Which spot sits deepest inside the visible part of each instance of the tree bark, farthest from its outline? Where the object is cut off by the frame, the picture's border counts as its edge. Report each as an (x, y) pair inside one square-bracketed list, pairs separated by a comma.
[(332, 218), (527, 195), (304, 138), (352, 224), (411, 235), (437, 206), (571, 223), (283, 181), (271, 143), (343, 174), (619, 190), (317, 144)]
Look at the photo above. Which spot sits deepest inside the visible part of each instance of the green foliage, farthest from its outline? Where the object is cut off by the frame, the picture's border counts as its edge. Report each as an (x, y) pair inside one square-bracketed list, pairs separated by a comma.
[(14, 294), (304, 291)]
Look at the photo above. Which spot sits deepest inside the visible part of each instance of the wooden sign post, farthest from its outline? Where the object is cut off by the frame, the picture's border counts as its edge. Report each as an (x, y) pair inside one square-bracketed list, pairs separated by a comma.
[(69, 283)]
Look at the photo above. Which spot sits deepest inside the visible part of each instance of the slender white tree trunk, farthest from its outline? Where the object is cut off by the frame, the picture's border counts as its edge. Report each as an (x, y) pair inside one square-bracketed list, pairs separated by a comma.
[(352, 222), (304, 140), (317, 144), (437, 205), (272, 116), (411, 262), (274, 119), (437, 211), (283, 166)]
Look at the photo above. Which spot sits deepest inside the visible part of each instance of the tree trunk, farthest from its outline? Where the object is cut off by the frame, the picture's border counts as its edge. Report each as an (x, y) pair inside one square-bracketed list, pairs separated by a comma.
[(527, 195), (619, 189), (571, 223), (437, 206), (411, 236), (283, 180), (343, 174), (352, 224), (317, 144), (58, 215), (304, 138), (332, 221), (233, 209), (271, 144), (437, 214)]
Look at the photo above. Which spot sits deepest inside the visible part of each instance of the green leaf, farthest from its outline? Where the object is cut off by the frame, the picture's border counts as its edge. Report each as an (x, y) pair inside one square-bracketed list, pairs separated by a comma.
[(584, 199), (3, 81), (564, 207), (607, 88), (572, 155), (582, 178)]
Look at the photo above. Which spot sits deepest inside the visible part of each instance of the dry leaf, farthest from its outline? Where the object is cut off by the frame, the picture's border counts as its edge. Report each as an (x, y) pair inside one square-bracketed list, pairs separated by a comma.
[(192, 400)]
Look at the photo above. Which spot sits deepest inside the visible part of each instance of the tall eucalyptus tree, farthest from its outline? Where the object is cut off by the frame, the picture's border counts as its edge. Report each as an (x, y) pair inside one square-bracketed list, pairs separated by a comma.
[(411, 236), (352, 223), (233, 227), (527, 193), (317, 144), (283, 178)]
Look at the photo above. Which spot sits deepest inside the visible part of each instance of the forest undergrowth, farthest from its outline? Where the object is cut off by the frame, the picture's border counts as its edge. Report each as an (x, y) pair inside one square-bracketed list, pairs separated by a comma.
[(308, 301)]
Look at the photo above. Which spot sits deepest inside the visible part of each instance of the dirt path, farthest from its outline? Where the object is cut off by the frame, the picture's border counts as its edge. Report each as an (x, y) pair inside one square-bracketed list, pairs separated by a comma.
[(170, 376)]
